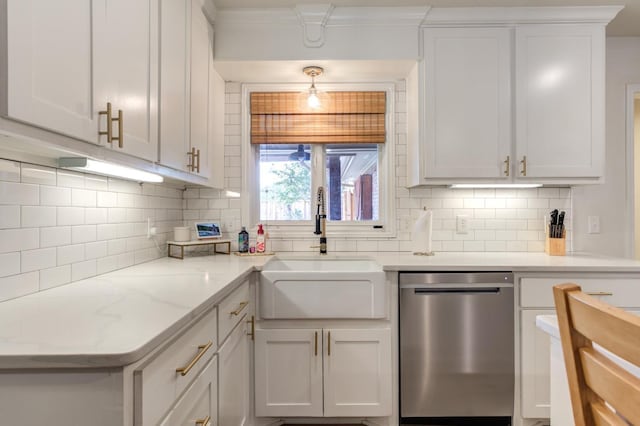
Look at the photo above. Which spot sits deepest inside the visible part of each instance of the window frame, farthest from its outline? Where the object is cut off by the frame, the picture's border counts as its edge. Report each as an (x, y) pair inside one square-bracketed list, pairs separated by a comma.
[(303, 229)]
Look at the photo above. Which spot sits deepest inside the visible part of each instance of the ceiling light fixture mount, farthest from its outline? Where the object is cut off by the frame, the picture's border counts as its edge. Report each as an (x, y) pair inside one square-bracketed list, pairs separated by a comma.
[(313, 71)]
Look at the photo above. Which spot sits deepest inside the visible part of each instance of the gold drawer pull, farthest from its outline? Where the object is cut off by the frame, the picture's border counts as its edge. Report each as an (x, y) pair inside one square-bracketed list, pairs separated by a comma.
[(507, 165), (201, 350), (203, 422), (328, 343), (120, 121), (599, 293), (109, 132), (316, 344), (252, 321), (523, 172), (240, 308)]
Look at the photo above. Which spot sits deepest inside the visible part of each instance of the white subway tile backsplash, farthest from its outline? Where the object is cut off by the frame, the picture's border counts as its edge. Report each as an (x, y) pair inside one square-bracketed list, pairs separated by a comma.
[(70, 254), (96, 250), (83, 198), (95, 216), (83, 233), (33, 260), (55, 196), (9, 264), (55, 236), (97, 183), (70, 179), (9, 171), (31, 173), (37, 216), (19, 193), (106, 199), (9, 217), (70, 215), (19, 239), (54, 277), (18, 285), (82, 270)]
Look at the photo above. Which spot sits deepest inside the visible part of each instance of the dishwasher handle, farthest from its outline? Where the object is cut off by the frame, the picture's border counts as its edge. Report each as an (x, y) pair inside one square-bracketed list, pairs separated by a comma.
[(458, 290)]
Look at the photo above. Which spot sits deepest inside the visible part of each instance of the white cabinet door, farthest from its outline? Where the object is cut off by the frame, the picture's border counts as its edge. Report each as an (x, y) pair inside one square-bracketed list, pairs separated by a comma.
[(357, 372), (467, 96), (560, 100), (126, 70), (201, 50), (233, 359), (49, 77), (174, 82), (288, 373), (216, 127), (200, 401), (534, 370)]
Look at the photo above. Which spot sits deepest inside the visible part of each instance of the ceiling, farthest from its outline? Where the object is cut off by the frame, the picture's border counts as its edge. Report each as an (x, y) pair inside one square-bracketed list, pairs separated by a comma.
[(627, 23)]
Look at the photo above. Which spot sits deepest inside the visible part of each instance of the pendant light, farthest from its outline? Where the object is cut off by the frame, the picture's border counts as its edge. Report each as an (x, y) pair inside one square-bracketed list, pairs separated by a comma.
[(313, 101)]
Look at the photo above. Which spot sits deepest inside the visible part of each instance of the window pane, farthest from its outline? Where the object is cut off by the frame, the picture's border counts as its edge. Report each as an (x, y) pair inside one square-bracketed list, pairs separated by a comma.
[(352, 182), (285, 182)]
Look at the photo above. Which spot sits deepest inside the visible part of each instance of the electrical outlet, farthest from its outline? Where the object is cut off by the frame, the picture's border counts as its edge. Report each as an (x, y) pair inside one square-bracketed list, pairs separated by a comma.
[(462, 224), (593, 224)]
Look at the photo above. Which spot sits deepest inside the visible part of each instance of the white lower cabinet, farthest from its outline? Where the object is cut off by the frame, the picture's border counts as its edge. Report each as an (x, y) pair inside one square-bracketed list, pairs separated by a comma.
[(199, 405), (536, 298), (535, 365), (234, 384), (323, 372)]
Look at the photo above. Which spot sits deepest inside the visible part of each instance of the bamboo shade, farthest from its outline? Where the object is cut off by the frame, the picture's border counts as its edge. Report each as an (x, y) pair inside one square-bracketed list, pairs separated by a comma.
[(343, 117)]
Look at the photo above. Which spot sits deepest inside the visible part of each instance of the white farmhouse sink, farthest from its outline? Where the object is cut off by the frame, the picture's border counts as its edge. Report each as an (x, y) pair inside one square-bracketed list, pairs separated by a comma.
[(295, 288)]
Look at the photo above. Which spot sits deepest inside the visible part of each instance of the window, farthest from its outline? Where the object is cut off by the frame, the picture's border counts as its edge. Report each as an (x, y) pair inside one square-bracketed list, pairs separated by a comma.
[(350, 179), (286, 169)]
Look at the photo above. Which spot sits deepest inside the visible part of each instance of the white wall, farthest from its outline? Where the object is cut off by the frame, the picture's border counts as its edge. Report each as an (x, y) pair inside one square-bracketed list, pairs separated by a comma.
[(609, 200), (58, 226), (500, 220)]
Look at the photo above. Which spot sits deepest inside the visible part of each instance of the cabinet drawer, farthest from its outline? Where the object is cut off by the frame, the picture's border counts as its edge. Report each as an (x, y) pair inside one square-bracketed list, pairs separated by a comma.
[(623, 292), (157, 383), (232, 309), (200, 401)]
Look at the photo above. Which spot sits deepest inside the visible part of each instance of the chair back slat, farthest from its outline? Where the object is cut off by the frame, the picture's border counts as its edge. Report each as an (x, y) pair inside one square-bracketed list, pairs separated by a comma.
[(611, 327), (612, 383), (593, 378), (603, 416)]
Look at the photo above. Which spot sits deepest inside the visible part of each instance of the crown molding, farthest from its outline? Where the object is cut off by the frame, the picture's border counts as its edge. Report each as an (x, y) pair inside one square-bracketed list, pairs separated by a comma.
[(457, 16), (325, 15), (313, 18)]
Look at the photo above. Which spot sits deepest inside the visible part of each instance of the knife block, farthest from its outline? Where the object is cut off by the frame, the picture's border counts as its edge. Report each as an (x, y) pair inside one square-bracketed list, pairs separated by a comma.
[(556, 246)]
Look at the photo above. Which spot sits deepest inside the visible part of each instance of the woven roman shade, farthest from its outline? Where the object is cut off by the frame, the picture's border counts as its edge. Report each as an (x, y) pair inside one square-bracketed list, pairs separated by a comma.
[(343, 117)]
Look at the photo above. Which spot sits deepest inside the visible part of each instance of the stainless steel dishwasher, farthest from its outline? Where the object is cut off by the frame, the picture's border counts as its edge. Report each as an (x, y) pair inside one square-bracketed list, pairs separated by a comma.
[(456, 348)]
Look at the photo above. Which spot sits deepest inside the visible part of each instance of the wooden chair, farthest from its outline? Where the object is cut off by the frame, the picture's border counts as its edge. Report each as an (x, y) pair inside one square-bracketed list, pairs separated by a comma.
[(596, 382)]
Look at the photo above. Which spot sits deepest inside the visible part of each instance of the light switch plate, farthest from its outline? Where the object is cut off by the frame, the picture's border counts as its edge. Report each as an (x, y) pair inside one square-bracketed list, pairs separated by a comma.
[(462, 224), (593, 224)]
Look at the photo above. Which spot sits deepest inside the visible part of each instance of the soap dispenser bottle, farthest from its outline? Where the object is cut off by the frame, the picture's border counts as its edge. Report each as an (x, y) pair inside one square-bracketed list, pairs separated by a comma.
[(243, 241), (260, 240)]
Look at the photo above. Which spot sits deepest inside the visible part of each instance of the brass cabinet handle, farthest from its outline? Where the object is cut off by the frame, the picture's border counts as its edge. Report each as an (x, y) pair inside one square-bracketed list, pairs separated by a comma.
[(203, 422), (109, 132), (201, 351), (240, 308), (252, 321), (316, 344), (194, 160), (507, 165), (328, 343), (120, 121), (599, 293), (523, 172)]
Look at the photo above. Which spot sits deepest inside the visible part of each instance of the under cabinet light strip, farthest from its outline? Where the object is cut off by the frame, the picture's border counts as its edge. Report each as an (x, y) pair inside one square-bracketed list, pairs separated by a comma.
[(495, 185), (88, 165)]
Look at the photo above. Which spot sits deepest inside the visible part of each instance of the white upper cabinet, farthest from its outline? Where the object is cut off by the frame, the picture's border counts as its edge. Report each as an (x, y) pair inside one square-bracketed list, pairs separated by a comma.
[(50, 80), (509, 95), (467, 100), (192, 93), (126, 70), (560, 100)]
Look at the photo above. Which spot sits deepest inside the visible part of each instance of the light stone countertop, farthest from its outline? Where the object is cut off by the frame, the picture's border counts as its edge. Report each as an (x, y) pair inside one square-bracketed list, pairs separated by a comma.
[(117, 318)]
